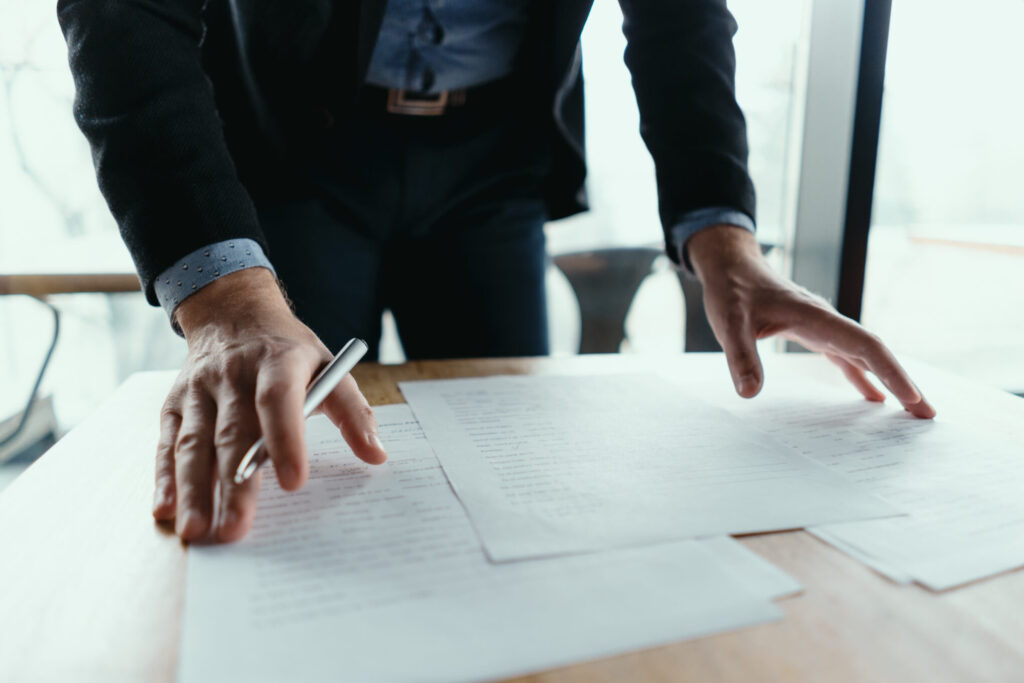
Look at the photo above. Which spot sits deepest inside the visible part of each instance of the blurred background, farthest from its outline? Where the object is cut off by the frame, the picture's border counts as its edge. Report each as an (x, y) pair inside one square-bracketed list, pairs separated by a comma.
[(943, 278)]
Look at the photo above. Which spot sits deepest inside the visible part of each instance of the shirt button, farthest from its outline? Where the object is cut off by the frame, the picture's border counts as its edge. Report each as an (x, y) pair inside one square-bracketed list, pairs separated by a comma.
[(429, 32)]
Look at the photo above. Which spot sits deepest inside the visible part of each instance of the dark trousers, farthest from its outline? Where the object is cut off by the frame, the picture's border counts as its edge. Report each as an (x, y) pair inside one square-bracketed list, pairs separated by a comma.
[(439, 219)]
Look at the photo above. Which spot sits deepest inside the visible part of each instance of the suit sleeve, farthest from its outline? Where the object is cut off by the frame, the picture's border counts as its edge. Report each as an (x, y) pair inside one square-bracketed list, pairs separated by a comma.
[(683, 65), (147, 108)]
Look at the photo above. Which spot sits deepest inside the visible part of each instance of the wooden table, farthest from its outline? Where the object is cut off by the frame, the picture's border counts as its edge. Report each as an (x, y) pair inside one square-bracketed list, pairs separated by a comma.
[(41, 285), (94, 263), (91, 589)]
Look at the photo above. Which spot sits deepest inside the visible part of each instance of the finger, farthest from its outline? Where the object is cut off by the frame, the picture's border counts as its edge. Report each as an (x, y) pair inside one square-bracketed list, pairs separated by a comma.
[(236, 430), (347, 408), (885, 367), (828, 331), (163, 489), (194, 464), (280, 391), (738, 340), (857, 378)]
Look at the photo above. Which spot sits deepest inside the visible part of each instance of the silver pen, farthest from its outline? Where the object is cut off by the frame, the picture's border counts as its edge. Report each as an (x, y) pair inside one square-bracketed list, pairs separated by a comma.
[(322, 385)]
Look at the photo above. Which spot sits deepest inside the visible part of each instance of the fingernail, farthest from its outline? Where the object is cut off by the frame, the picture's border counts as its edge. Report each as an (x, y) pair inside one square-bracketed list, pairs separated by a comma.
[(925, 409), (746, 384), (229, 519), (374, 440)]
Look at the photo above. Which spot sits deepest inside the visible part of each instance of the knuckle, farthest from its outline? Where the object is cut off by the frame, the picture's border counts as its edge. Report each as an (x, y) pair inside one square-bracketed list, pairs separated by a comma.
[(196, 384), (188, 442), (874, 340), (230, 434), (365, 413), (735, 318), (279, 347), (230, 364), (301, 357), (171, 407), (271, 395), (869, 346), (165, 480), (169, 416)]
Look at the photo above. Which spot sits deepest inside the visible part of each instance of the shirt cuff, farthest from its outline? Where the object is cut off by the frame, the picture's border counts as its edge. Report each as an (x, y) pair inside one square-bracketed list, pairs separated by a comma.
[(695, 221), (203, 266)]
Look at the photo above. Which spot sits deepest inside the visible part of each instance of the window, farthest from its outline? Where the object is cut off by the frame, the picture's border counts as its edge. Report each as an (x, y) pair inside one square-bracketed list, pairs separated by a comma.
[(52, 218), (945, 267), (771, 52), (770, 45)]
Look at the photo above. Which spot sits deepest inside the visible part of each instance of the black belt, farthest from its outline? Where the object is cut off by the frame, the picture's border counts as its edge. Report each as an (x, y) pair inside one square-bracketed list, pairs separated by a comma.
[(410, 103)]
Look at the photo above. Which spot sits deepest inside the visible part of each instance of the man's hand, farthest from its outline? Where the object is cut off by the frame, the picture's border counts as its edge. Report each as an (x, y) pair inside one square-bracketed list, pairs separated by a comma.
[(746, 300), (249, 363)]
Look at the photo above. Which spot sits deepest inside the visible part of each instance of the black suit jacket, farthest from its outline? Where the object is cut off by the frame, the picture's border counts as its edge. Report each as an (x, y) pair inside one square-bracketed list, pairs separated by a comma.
[(194, 108)]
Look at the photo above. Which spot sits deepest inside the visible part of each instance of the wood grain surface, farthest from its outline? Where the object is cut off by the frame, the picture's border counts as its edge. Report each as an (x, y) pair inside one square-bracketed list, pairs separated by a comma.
[(45, 284), (91, 589)]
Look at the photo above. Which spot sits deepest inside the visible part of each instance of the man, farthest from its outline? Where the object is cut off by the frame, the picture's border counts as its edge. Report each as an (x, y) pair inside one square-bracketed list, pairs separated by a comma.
[(402, 155)]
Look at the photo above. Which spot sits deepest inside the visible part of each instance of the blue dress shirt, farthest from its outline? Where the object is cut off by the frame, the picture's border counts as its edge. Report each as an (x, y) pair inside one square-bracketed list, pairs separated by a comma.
[(432, 45)]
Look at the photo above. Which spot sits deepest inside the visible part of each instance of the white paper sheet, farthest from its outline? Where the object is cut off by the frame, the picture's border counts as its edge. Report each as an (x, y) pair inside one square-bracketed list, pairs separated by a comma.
[(374, 573), (756, 573), (552, 465), (963, 487), (887, 570)]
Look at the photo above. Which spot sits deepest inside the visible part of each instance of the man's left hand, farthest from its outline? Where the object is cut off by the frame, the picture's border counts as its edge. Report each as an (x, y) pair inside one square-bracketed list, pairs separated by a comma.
[(746, 300)]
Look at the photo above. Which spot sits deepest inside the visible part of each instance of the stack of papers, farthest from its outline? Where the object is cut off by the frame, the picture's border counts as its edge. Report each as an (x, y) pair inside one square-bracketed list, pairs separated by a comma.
[(523, 523), (961, 487), (553, 465), (375, 573)]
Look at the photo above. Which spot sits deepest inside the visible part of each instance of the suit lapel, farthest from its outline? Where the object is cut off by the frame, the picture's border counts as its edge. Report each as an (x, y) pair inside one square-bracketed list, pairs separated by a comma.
[(371, 15)]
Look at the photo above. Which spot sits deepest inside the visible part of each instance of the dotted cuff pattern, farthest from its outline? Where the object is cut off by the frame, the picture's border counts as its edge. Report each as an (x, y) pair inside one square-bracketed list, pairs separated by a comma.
[(203, 266)]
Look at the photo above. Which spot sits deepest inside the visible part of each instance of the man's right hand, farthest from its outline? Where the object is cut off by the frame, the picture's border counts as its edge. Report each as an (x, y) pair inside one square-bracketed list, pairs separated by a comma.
[(249, 363)]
